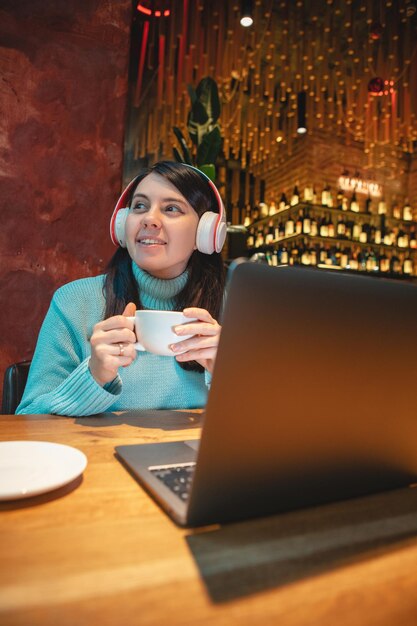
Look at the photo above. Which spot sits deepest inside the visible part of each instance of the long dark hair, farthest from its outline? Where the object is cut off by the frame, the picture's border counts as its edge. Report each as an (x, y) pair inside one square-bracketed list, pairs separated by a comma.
[(205, 285)]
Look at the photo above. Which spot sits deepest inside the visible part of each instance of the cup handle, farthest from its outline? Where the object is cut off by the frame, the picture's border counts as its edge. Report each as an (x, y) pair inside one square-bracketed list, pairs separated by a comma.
[(137, 345)]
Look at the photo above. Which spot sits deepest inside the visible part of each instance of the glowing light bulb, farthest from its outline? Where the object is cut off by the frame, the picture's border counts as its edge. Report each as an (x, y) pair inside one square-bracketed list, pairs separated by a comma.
[(246, 21)]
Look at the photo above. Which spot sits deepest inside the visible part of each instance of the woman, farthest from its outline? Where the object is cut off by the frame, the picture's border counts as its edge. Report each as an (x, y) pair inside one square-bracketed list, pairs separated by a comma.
[(168, 258)]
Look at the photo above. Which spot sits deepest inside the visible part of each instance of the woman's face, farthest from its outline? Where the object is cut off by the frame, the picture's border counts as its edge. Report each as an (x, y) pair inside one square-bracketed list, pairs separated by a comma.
[(161, 228)]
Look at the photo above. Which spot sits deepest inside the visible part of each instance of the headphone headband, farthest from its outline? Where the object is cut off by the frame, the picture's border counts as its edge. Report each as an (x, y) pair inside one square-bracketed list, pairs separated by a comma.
[(211, 232)]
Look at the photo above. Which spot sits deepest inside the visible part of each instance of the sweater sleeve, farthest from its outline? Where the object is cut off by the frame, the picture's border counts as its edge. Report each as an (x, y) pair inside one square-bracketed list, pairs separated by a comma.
[(60, 380)]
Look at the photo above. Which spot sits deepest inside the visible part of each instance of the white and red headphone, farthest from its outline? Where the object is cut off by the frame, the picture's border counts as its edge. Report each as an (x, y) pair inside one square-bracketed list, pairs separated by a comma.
[(211, 230)]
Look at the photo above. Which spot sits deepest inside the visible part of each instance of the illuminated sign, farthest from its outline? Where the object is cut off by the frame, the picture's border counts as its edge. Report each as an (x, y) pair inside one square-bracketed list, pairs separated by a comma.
[(360, 186)]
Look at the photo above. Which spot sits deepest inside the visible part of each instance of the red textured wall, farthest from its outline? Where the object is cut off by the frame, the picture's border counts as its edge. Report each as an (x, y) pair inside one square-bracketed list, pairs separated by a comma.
[(63, 93)]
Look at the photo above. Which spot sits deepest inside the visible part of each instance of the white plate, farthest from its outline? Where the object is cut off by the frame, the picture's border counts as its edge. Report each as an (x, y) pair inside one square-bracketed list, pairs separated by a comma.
[(28, 468)]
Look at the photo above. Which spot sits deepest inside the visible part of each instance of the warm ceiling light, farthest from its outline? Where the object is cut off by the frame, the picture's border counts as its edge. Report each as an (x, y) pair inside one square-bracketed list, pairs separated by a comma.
[(246, 21), (247, 13), (301, 113)]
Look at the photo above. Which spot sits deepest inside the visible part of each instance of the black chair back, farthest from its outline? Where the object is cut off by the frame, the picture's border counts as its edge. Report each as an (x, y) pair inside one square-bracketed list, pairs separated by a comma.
[(14, 383)]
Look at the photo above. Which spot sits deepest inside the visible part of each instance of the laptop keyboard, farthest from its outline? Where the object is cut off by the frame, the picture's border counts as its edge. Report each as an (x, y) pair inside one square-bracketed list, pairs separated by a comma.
[(177, 478)]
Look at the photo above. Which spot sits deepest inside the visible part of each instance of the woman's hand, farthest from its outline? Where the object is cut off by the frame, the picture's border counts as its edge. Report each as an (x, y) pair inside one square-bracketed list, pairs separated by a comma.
[(112, 345), (202, 346)]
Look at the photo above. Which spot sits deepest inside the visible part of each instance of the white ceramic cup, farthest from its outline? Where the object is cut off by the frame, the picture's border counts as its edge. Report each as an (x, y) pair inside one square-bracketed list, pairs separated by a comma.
[(154, 330)]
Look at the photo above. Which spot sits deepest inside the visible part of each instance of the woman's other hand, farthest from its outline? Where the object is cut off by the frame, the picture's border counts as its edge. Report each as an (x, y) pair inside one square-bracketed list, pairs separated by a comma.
[(112, 345), (202, 346)]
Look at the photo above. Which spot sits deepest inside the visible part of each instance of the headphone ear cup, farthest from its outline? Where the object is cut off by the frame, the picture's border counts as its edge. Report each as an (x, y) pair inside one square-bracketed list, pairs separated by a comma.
[(120, 226), (206, 232), (221, 233)]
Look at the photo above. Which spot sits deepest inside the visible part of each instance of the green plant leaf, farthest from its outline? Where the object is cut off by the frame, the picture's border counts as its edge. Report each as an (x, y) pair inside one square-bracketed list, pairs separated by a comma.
[(177, 155), (209, 148), (198, 113), (208, 94), (209, 170), (183, 144), (197, 123)]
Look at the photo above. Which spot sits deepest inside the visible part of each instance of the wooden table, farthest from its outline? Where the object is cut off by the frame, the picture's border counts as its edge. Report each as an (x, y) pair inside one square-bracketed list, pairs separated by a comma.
[(101, 552)]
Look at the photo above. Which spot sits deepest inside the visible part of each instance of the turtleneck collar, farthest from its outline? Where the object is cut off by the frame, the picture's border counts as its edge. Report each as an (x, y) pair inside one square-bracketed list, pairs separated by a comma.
[(157, 293)]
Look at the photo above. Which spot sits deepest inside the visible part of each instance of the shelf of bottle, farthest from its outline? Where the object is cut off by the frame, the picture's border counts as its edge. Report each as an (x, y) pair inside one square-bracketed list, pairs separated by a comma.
[(400, 275), (321, 208), (347, 270), (334, 240)]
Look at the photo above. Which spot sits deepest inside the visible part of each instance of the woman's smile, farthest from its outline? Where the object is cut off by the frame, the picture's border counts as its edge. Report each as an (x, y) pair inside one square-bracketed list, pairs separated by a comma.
[(150, 241)]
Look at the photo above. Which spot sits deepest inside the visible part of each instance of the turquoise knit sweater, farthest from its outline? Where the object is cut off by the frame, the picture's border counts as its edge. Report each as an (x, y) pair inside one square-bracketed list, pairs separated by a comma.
[(60, 380)]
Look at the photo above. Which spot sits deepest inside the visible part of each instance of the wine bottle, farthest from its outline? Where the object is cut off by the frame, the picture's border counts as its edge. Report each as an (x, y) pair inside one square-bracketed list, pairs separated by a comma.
[(413, 240), (354, 263), (305, 254), (382, 207), (270, 235), (338, 255), (250, 242), (339, 199), (387, 236), (395, 264), (402, 240), (371, 261), (354, 204), (299, 222), (348, 229), (371, 233), (368, 204), (306, 223), (295, 254), (363, 235), (408, 265), (272, 208), (326, 196), (395, 210), (260, 239), (384, 262), (362, 261), (248, 217), (330, 227), (341, 228), (407, 212), (283, 260), (283, 203), (289, 227), (378, 235), (308, 193), (324, 227), (356, 231), (269, 255), (314, 227), (295, 198), (344, 259), (263, 210)]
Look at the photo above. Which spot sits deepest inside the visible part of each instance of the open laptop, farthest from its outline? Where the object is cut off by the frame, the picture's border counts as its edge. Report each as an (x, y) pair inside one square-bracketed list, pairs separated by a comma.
[(313, 399)]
